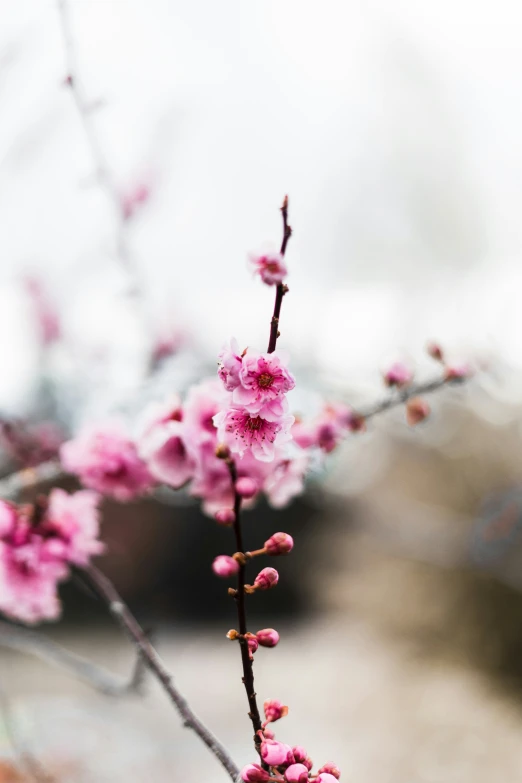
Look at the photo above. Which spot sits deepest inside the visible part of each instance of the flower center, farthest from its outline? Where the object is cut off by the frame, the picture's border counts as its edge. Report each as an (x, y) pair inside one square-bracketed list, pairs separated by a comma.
[(265, 380), (254, 424)]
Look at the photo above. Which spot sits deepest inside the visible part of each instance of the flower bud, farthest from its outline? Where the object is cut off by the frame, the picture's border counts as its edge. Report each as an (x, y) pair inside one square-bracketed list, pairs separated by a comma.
[(300, 754), (297, 773), (222, 451), (325, 777), (246, 487), (331, 769), (232, 635), (417, 410), (253, 643), (435, 351), (267, 637), (225, 516), (279, 544), (274, 710), (276, 753), (456, 372), (398, 375), (355, 422), (225, 566), (253, 773), (268, 734), (266, 579)]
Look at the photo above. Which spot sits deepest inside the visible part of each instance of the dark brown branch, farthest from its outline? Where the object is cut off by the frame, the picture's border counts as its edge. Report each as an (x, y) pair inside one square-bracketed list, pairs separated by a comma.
[(104, 588), (247, 664), (34, 643), (282, 288)]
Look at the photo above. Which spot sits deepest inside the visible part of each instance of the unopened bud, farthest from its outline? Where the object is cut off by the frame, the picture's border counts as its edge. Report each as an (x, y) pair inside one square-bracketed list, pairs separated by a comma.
[(274, 710), (279, 544), (398, 375), (246, 487), (275, 753), (222, 451), (252, 641), (296, 773), (417, 410), (355, 422), (266, 579), (253, 773), (331, 769), (435, 351), (232, 634), (225, 516), (225, 566), (325, 777), (268, 637), (300, 754), (457, 372), (268, 733)]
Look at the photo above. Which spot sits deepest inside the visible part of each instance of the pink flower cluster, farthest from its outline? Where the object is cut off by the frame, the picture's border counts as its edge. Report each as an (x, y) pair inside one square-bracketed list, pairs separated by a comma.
[(286, 764), (37, 545)]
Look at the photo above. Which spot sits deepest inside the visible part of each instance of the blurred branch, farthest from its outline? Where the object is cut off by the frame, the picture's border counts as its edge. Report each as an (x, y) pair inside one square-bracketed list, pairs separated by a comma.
[(12, 485), (106, 591), (104, 175), (32, 642), (402, 396)]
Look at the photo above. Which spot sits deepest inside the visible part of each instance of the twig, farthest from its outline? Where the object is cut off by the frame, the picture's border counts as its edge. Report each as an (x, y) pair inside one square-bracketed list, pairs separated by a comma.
[(104, 588), (403, 396), (34, 643), (13, 484), (102, 170), (239, 597), (282, 288)]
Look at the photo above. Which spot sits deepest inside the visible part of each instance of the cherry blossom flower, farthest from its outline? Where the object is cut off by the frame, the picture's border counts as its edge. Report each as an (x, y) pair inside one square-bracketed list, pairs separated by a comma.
[(270, 267), (274, 710), (229, 365), (225, 566), (286, 480), (253, 773), (398, 375), (163, 445), (264, 383), (74, 520), (276, 753), (106, 460), (244, 432), (296, 773), (279, 544)]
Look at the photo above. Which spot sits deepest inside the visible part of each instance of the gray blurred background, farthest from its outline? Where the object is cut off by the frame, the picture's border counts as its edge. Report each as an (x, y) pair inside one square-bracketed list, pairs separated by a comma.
[(395, 129)]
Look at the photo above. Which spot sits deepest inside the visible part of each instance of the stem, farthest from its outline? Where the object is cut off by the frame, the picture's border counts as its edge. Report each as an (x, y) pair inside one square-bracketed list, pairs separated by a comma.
[(104, 588), (403, 396), (281, 289), (248, 669)]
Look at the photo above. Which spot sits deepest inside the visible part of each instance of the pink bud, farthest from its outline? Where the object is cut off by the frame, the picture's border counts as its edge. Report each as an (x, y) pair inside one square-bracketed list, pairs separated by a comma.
[(457, 372), (279, 544), (325, 777), (308, 763), (268, 637), (253, 773), (300, 754), (266, 579), (297, 773), (274, 710), (417, 410), (246, 487), (435, 351), (355, 422), (268, 734), (225, 516), (276, 753), (331, 769), (398, 375), (225, 566), (253, 643)]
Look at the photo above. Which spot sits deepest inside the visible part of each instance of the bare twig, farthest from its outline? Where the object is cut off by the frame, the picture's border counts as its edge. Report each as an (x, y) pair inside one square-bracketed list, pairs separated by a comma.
[(104, 588), (13, 484), (399, 398), (281, 289), (34, 643)]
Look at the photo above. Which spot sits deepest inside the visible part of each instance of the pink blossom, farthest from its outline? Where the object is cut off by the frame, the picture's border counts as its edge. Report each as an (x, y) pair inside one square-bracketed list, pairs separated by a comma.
[(270, 267), (276, 753), (417, 410), (229, 365), (253, 644), (267, 637), (398, 375), (202, 403), (266, 579), (246, 487), (457, 372), (225, 566), (268, 734), (274, 710), (107, 460), (300, 754), (163, 445), (253, 773), (286, 480), (296, 773), (244, 432), (279, 544), (74, 520), (435, 351), (331, 769), (264, 382), (325, 777), (225, 516)]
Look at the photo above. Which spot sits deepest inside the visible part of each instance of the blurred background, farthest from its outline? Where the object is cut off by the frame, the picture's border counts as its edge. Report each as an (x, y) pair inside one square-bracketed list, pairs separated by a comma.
[(144, 151)]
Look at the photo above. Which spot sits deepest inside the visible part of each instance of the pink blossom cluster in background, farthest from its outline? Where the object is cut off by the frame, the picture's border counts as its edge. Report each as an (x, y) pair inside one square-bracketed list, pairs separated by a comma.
[(284, 763), (38, 544)]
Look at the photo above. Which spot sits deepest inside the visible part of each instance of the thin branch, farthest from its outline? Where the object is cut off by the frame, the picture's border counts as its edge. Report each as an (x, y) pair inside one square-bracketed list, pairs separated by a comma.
[(34, 643), (104, 588), (282, 288), (239, 597), (12, 485), (103, 173), (416, 390)]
